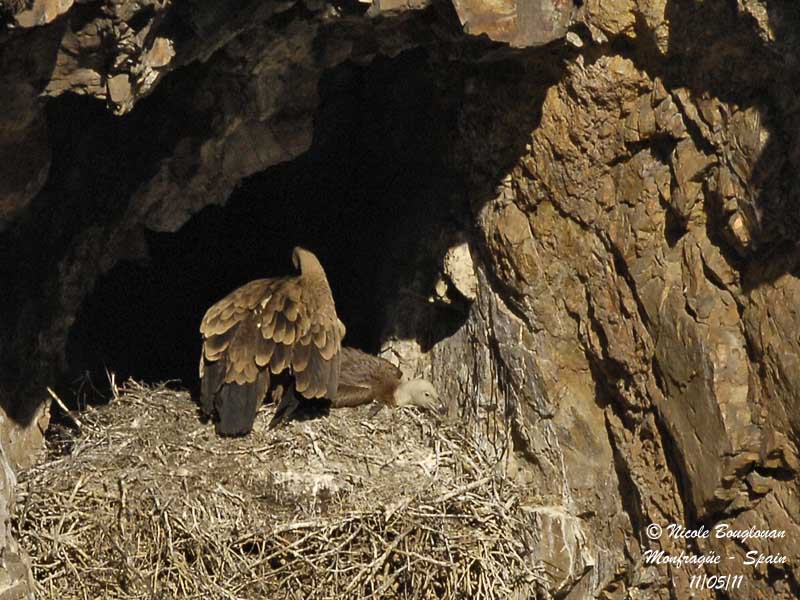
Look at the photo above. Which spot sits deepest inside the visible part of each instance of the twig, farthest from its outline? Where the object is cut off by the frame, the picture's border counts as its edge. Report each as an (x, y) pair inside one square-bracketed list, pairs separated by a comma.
[(63, 407), (462, 490)]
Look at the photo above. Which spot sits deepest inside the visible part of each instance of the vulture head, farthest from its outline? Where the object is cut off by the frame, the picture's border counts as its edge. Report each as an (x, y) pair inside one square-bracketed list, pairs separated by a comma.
[(418, 392)]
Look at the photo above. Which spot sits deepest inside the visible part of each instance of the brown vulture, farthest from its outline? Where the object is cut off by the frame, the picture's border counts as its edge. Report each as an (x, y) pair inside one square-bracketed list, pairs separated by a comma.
[(365, 378), (283, 329)]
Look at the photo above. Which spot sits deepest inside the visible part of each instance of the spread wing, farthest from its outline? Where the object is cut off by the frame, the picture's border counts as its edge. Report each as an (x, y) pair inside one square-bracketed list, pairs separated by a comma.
[(264, 328), (364, 378)]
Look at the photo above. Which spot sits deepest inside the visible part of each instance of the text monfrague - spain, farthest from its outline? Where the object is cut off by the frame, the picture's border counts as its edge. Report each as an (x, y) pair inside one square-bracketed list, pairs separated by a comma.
[(752, 558)]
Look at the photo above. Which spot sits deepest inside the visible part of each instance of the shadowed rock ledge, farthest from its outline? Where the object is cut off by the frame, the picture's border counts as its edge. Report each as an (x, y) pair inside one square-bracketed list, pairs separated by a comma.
[(626, 341)]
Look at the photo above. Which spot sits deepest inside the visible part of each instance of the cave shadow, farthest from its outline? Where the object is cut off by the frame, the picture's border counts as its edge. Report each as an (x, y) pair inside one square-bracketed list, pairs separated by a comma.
[(98, 161), (366, 198), (20, 69)]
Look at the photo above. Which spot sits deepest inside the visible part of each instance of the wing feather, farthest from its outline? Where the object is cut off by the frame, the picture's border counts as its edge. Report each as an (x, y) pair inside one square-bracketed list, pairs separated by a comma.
[(300, 356), (264, 350), (320, 336), (215, 345), (352, 395), (314, 377), (330, 348), (279, 330), (289, 333), (291, 310), (268, 327), (302, 381), (281, 358), (332, 380), (359, 367), (315, 336), (226, 313)]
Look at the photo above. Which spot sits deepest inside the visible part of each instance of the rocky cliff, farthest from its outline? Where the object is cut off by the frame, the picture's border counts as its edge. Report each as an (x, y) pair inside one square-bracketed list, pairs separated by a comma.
[(606, 227)]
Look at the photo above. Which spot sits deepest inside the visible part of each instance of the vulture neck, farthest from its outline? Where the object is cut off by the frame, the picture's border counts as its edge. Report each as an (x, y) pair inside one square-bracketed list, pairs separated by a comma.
[(308, 263), (313, 274), (404, 393)]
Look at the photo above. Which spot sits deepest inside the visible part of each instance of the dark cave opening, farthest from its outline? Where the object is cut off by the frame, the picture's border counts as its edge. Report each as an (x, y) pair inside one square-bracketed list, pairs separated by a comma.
[(372, 197)]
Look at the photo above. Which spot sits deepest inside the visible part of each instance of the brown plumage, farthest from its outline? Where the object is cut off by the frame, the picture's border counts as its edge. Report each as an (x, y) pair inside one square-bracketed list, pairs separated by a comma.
[(365, 378), (265, 328)]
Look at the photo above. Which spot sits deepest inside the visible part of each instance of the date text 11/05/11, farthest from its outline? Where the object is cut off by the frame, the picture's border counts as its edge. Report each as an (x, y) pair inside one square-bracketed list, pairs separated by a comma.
[(716, 582)]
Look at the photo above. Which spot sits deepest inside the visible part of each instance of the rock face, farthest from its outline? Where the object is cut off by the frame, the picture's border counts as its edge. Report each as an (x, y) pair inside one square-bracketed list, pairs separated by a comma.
[(520, 23), (627, 274), (15, 574)]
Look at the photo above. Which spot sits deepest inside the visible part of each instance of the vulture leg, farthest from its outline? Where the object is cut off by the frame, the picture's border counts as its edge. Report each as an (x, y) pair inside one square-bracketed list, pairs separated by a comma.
[(285, 408), (375, 409)]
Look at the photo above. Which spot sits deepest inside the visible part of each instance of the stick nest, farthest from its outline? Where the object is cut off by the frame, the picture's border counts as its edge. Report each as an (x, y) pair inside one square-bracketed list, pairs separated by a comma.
[(145, 501)]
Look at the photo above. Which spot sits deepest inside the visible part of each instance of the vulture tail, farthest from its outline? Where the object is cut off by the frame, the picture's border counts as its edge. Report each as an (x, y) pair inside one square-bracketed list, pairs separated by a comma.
[(213, 375), (237, 405)]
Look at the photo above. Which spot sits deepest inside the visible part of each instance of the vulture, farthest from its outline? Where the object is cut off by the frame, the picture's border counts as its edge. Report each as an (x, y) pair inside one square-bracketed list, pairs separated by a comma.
[(365, 378), (283, 331)]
